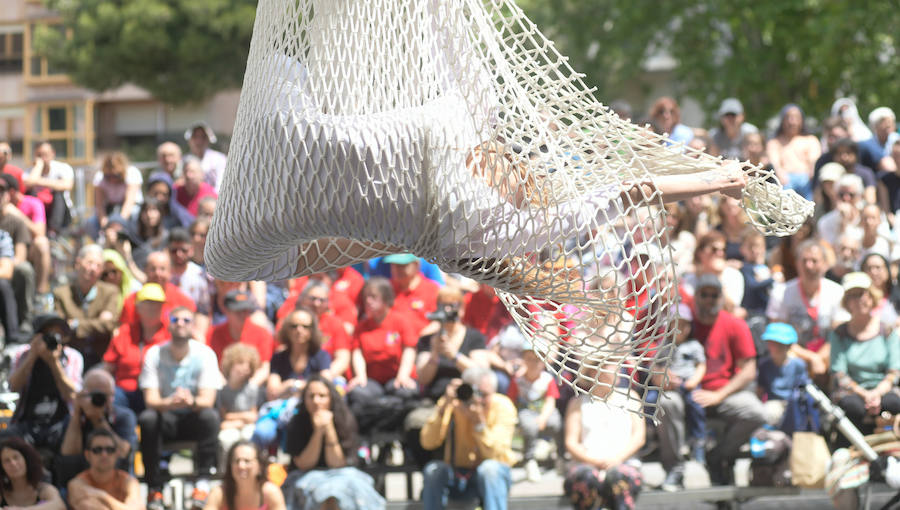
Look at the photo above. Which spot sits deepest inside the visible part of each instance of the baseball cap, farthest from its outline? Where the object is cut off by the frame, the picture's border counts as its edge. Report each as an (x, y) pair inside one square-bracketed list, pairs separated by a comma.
[(708, 280), (781, 333), (151, 292), (400, 258), (856, 280), (46, 320), (239, 300), (200, 124), (730, 105), (831, 172)]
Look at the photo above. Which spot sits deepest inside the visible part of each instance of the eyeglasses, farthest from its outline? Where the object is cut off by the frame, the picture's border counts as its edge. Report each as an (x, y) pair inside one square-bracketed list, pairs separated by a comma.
[(97, 450), (181, 320)]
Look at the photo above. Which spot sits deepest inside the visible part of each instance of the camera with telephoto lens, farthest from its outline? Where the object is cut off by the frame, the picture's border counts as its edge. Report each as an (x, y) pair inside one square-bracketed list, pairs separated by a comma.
[(98, 398), (446, 313), (465, 392), (52, 340)]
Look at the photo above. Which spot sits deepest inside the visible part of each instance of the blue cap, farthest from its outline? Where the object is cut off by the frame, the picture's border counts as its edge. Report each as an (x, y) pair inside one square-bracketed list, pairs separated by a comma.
[(781, 333), (400, 258)]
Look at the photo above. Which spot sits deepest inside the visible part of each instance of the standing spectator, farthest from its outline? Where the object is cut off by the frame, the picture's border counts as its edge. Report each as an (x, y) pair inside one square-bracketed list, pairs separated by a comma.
[(46, 373), (535, 394), (414, 295), (117, 189), (8, 168), (22, 473), (477, 434), (729, 134), (810, 303), (846, 153), (725, 390), (666, 118), (793, 152), (194, 188), (322, 440), (159, 271), (199, 136), (844, 219), (51, 181), (161, 188), (238, 329), (125, 355), (238, 400), (9, 315), (179, 379), (31, 211), (245, 484), (168, 160), (90, 306), (190, 278), (23, 279), (102, 486)]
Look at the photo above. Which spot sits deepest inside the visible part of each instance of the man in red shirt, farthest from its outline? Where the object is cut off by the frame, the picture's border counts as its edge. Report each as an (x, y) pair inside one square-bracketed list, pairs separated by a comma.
[(239, 305), (193, 189), (725, 391), (9, 168), (414, 295), (158, 271)]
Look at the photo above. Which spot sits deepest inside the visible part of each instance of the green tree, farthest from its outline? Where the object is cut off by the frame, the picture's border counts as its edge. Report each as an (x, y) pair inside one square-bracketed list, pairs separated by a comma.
[(180, 50), (765, 52)]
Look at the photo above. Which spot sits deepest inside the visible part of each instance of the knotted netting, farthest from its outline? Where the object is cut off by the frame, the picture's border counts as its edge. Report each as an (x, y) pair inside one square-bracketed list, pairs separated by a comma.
[(454, 130)]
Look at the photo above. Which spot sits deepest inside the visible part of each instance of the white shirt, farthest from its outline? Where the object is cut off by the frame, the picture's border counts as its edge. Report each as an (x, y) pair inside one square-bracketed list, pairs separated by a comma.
[(732, 284), (116, 191), (213, 165), (199, 369), (606, 426), (786, 304)]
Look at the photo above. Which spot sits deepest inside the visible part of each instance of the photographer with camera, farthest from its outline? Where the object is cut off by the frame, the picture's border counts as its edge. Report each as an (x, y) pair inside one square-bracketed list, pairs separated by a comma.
[(476, 426), (46, 374)]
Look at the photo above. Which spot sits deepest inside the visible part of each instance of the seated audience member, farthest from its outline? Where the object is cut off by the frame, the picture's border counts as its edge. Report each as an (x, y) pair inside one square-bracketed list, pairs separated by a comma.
[(682, 240), (245, 484), (168, 160), (846, 255), (779, 374), (845, 218), (826, 197), (446, 354), (384, 348), (535, 394), (810, 303), (190, 278), (198, 231), (51, 181), (865, 356), (322, 440), (46, 373), (316, 296), (709, 258), (603, 438), (117, 190), (9, 315), (193, 189), (414, 295), (199, 136), (846, 153), (834, 128), (784, 256), (22, 482), (9, 168), (483, 310), (732, 224), (206, 207), (477, 456), (875, 232), (148, 233), (31, 212), (117, 237), (161, 188), (878, 269), (725, 390), (180, 379), (159, 271), (665, 118), (101, 486), (116, 272), (94, 409), (220, 290), (237, 328), (729, 134), (90, 306), (125, 355), (758, 277), (301, 358), (23, 278), (238, 399), (793, 152)]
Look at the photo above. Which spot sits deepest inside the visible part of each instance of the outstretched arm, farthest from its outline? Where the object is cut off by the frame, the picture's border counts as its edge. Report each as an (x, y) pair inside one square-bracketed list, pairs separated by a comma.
[(729, 180)]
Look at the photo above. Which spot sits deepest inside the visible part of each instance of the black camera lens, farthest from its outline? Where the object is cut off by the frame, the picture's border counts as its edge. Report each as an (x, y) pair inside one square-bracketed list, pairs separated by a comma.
[(51, 340), (98, 399), (465, 392)]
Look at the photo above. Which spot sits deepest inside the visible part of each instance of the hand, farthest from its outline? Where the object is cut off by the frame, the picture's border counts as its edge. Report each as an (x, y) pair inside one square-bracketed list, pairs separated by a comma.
[(39, 348), (473, 410), (322, 419), (733, 180), (707, 398), (674, 382), (404, 382), (689, 385), (605, 463), (873, 402), (106, 315), (358, 381), (450, 390), (541, 423)]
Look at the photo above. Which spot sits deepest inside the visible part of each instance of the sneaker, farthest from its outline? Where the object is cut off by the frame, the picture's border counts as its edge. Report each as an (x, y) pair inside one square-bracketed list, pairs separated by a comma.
[(674, 481), (532, 471), (198, 498), (155, 500)]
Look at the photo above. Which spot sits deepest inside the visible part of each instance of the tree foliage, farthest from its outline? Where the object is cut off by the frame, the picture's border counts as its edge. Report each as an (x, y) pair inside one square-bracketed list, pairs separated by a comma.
[(179, 50), (765, 52)]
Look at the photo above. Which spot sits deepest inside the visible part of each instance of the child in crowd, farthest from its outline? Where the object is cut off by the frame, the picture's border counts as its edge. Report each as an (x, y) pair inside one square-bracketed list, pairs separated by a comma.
[(535, 393), (758, 278), (778, 373), (238, 400)]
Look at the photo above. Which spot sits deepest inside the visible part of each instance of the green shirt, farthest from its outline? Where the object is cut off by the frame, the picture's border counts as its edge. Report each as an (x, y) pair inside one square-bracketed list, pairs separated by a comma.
[(866, 362)]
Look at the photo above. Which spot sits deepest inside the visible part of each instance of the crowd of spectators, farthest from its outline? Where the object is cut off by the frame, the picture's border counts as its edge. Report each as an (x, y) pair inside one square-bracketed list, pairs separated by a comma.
[(140, 337)]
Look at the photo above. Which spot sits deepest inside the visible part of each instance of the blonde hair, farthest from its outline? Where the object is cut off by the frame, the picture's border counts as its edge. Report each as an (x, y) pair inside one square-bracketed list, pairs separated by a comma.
[(237, 352), (115, 163)]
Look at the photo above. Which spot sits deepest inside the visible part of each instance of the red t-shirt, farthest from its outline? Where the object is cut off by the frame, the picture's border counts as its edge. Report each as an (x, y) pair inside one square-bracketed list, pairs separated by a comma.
[(334, 336), (726, 341), (338, 303), (417, 303), (16, 172), (126, 353), (174, 299), (349, 283), (192, 203), (382, 344), (486, 313), (252, 334)]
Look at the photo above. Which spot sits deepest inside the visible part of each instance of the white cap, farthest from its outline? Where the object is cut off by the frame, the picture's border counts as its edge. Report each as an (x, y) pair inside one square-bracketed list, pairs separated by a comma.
[(831, 172)]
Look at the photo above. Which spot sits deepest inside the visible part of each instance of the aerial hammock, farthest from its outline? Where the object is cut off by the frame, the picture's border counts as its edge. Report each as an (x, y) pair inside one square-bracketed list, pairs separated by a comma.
[(452, 129)]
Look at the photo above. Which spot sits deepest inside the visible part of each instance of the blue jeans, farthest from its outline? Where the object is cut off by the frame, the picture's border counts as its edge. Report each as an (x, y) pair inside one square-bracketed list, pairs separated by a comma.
[(694, 416), (490, 482)]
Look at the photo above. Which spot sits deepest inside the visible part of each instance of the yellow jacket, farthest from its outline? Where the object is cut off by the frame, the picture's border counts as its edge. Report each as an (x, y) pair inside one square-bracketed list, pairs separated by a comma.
[(493, 441)]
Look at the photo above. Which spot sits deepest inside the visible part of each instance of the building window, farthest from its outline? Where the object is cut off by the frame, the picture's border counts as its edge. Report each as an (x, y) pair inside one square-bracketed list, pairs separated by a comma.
[(11, 52), (68, 126), (38, 69)]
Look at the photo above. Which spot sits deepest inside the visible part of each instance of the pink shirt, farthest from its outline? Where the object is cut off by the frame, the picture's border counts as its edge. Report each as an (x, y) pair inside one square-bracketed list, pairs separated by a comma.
[(192, 203), (33, 209)]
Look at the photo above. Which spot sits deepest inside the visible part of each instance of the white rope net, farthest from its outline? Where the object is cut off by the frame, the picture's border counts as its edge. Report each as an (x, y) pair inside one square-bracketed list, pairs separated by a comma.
[(454, 130)]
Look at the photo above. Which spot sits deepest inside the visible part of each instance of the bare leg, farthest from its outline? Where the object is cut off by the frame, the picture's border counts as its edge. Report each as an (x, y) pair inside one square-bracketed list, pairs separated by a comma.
[(39, 256)]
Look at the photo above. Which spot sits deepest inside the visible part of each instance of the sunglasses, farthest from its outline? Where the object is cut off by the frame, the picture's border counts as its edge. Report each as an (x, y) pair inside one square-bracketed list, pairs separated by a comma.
[(180, 320), (97, 450)]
